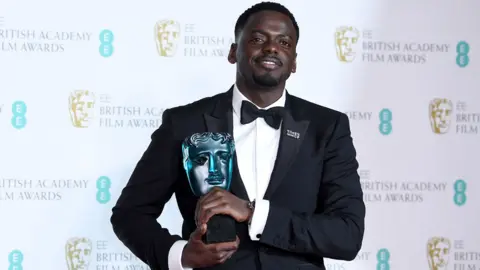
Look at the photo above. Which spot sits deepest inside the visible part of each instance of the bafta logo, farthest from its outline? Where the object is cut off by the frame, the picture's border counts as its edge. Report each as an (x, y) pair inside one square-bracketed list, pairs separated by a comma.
[(77, 253), (167, 34), (440, 110), (345, 38), (438, 249), (208, 161), (81, 104)]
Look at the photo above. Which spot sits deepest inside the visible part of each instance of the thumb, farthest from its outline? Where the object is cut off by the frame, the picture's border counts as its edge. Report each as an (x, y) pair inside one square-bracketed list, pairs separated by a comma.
[(199, 232)]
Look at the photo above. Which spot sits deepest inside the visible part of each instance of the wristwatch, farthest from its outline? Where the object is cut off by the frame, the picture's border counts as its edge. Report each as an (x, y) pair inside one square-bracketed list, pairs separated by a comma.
[(251, 206)]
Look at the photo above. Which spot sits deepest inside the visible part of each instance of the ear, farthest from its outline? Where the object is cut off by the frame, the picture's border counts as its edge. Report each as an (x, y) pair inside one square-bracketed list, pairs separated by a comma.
[(294, 66), (232, 54)]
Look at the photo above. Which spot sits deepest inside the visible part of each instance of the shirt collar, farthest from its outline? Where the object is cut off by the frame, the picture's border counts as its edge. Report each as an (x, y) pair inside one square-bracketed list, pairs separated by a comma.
[(238, 98)]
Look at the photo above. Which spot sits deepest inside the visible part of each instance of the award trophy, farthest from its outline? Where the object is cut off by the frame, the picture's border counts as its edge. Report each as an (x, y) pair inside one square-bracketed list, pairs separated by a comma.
[(208, 162)]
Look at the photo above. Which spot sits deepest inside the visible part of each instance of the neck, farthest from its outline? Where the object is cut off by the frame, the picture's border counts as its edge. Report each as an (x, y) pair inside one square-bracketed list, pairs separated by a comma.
[(261, 96)]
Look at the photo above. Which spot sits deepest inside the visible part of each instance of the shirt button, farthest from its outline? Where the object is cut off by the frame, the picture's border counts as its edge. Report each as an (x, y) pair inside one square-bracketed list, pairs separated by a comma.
[(258, 236)]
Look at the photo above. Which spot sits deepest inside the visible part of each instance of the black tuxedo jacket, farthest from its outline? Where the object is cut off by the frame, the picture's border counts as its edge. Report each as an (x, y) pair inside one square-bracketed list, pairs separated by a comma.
[(316, 201)]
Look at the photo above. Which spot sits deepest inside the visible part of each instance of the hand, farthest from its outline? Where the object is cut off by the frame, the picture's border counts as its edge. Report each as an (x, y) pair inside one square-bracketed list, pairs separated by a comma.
[(220, 201), (197, 254)]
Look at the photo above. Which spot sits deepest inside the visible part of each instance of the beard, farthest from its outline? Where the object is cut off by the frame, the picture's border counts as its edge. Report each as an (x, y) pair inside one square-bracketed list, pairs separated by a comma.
[(266, 80)]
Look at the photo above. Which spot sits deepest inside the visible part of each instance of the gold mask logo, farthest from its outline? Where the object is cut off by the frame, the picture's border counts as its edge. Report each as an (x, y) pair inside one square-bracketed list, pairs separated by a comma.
[(78, 251), (167, 35), (345, 39), (81, 105), (438, 250), (440, 111)]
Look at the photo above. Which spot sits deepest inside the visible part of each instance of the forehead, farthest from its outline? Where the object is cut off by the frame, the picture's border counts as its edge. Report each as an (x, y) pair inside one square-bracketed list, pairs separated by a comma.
[(209, 146), (442, 106), (272, 22), (86, 97), (441, 245), (349, 34), (82, 245), (170, 27)]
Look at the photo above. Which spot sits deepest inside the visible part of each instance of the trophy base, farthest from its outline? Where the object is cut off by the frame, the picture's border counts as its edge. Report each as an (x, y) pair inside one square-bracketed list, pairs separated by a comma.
[(220, 229)]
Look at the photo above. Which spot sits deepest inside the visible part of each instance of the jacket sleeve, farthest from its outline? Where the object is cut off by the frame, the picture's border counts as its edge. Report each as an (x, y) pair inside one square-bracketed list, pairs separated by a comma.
[(336, 228), (150, 187)]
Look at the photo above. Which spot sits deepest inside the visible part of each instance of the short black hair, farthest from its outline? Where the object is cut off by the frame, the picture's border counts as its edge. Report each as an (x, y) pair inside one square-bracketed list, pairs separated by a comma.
[(263, 6)]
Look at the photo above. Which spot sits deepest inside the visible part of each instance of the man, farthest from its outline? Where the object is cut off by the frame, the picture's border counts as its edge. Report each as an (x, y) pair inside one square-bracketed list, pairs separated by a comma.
[(296, 194)]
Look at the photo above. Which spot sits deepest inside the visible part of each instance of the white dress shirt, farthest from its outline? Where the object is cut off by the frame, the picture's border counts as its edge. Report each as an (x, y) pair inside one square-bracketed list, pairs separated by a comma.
[(256, 146)]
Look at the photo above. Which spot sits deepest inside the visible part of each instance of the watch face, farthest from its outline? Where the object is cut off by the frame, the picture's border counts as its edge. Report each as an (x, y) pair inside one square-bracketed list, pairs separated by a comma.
[(251, 205)]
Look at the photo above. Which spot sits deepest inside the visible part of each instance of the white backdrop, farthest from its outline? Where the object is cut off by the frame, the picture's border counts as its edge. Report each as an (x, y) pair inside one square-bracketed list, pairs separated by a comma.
[(98, 61)]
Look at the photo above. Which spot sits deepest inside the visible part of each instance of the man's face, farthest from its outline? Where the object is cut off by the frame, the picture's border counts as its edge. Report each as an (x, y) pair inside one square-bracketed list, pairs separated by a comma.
[(265, 52)]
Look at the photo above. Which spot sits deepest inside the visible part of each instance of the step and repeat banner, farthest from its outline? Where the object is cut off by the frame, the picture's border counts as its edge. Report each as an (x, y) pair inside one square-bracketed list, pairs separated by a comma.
[(83, 85)]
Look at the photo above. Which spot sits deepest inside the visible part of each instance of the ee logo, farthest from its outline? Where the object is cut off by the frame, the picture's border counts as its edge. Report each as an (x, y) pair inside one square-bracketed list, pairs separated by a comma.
[(15, 259), (460, 196), (462, 54), (106, 43), (385, 126), (103, 189), (383, 257), (19, 109)]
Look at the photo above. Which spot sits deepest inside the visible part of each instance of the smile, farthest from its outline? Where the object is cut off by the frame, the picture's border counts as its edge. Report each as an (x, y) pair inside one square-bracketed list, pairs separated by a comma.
[(268, 64)]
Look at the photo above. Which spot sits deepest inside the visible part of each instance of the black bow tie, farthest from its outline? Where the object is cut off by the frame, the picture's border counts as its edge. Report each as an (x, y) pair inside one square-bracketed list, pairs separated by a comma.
[(272, 116)]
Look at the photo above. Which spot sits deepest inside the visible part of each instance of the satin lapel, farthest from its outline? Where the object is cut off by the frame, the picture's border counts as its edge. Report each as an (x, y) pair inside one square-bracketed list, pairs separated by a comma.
[(221, 120), (292, 134)]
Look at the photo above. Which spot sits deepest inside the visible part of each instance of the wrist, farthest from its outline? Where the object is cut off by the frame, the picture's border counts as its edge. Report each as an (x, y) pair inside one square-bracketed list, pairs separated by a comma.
[(185, 258), (251, 209)]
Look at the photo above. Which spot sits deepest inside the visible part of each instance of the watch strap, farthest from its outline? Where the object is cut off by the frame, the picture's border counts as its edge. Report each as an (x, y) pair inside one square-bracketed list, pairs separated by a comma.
[(251, 206)]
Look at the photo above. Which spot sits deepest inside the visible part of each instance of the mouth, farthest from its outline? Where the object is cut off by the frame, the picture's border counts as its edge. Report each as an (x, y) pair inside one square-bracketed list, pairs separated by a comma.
[(269, 63), (214, 180)]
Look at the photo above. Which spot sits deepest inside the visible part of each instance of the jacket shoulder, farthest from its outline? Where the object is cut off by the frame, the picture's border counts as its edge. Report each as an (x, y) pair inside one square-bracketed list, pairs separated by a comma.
[(192, 109), (314, 110)]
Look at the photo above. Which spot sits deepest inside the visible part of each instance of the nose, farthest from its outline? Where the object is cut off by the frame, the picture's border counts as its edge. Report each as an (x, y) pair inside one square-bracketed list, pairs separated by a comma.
[(270, 47), (212, 164)]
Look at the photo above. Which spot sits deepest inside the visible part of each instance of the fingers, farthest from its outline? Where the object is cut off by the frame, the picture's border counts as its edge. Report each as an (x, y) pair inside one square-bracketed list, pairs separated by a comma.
[(210, 200), (215, 191), (224, 247), (222, 251), (228, 255), (206, 214), (199, 232), (208, 209), (228, 248), (221, 257), (207, 196), (214, 194)]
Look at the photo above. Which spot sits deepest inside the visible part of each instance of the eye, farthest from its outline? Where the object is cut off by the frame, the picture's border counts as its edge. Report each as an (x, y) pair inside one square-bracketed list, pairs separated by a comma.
[(285, 43), (200, 160), (256, 40), (224, 156)]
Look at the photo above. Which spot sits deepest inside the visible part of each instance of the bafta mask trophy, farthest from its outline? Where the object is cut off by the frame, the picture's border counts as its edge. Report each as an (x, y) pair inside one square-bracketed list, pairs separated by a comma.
[(208, 162)]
